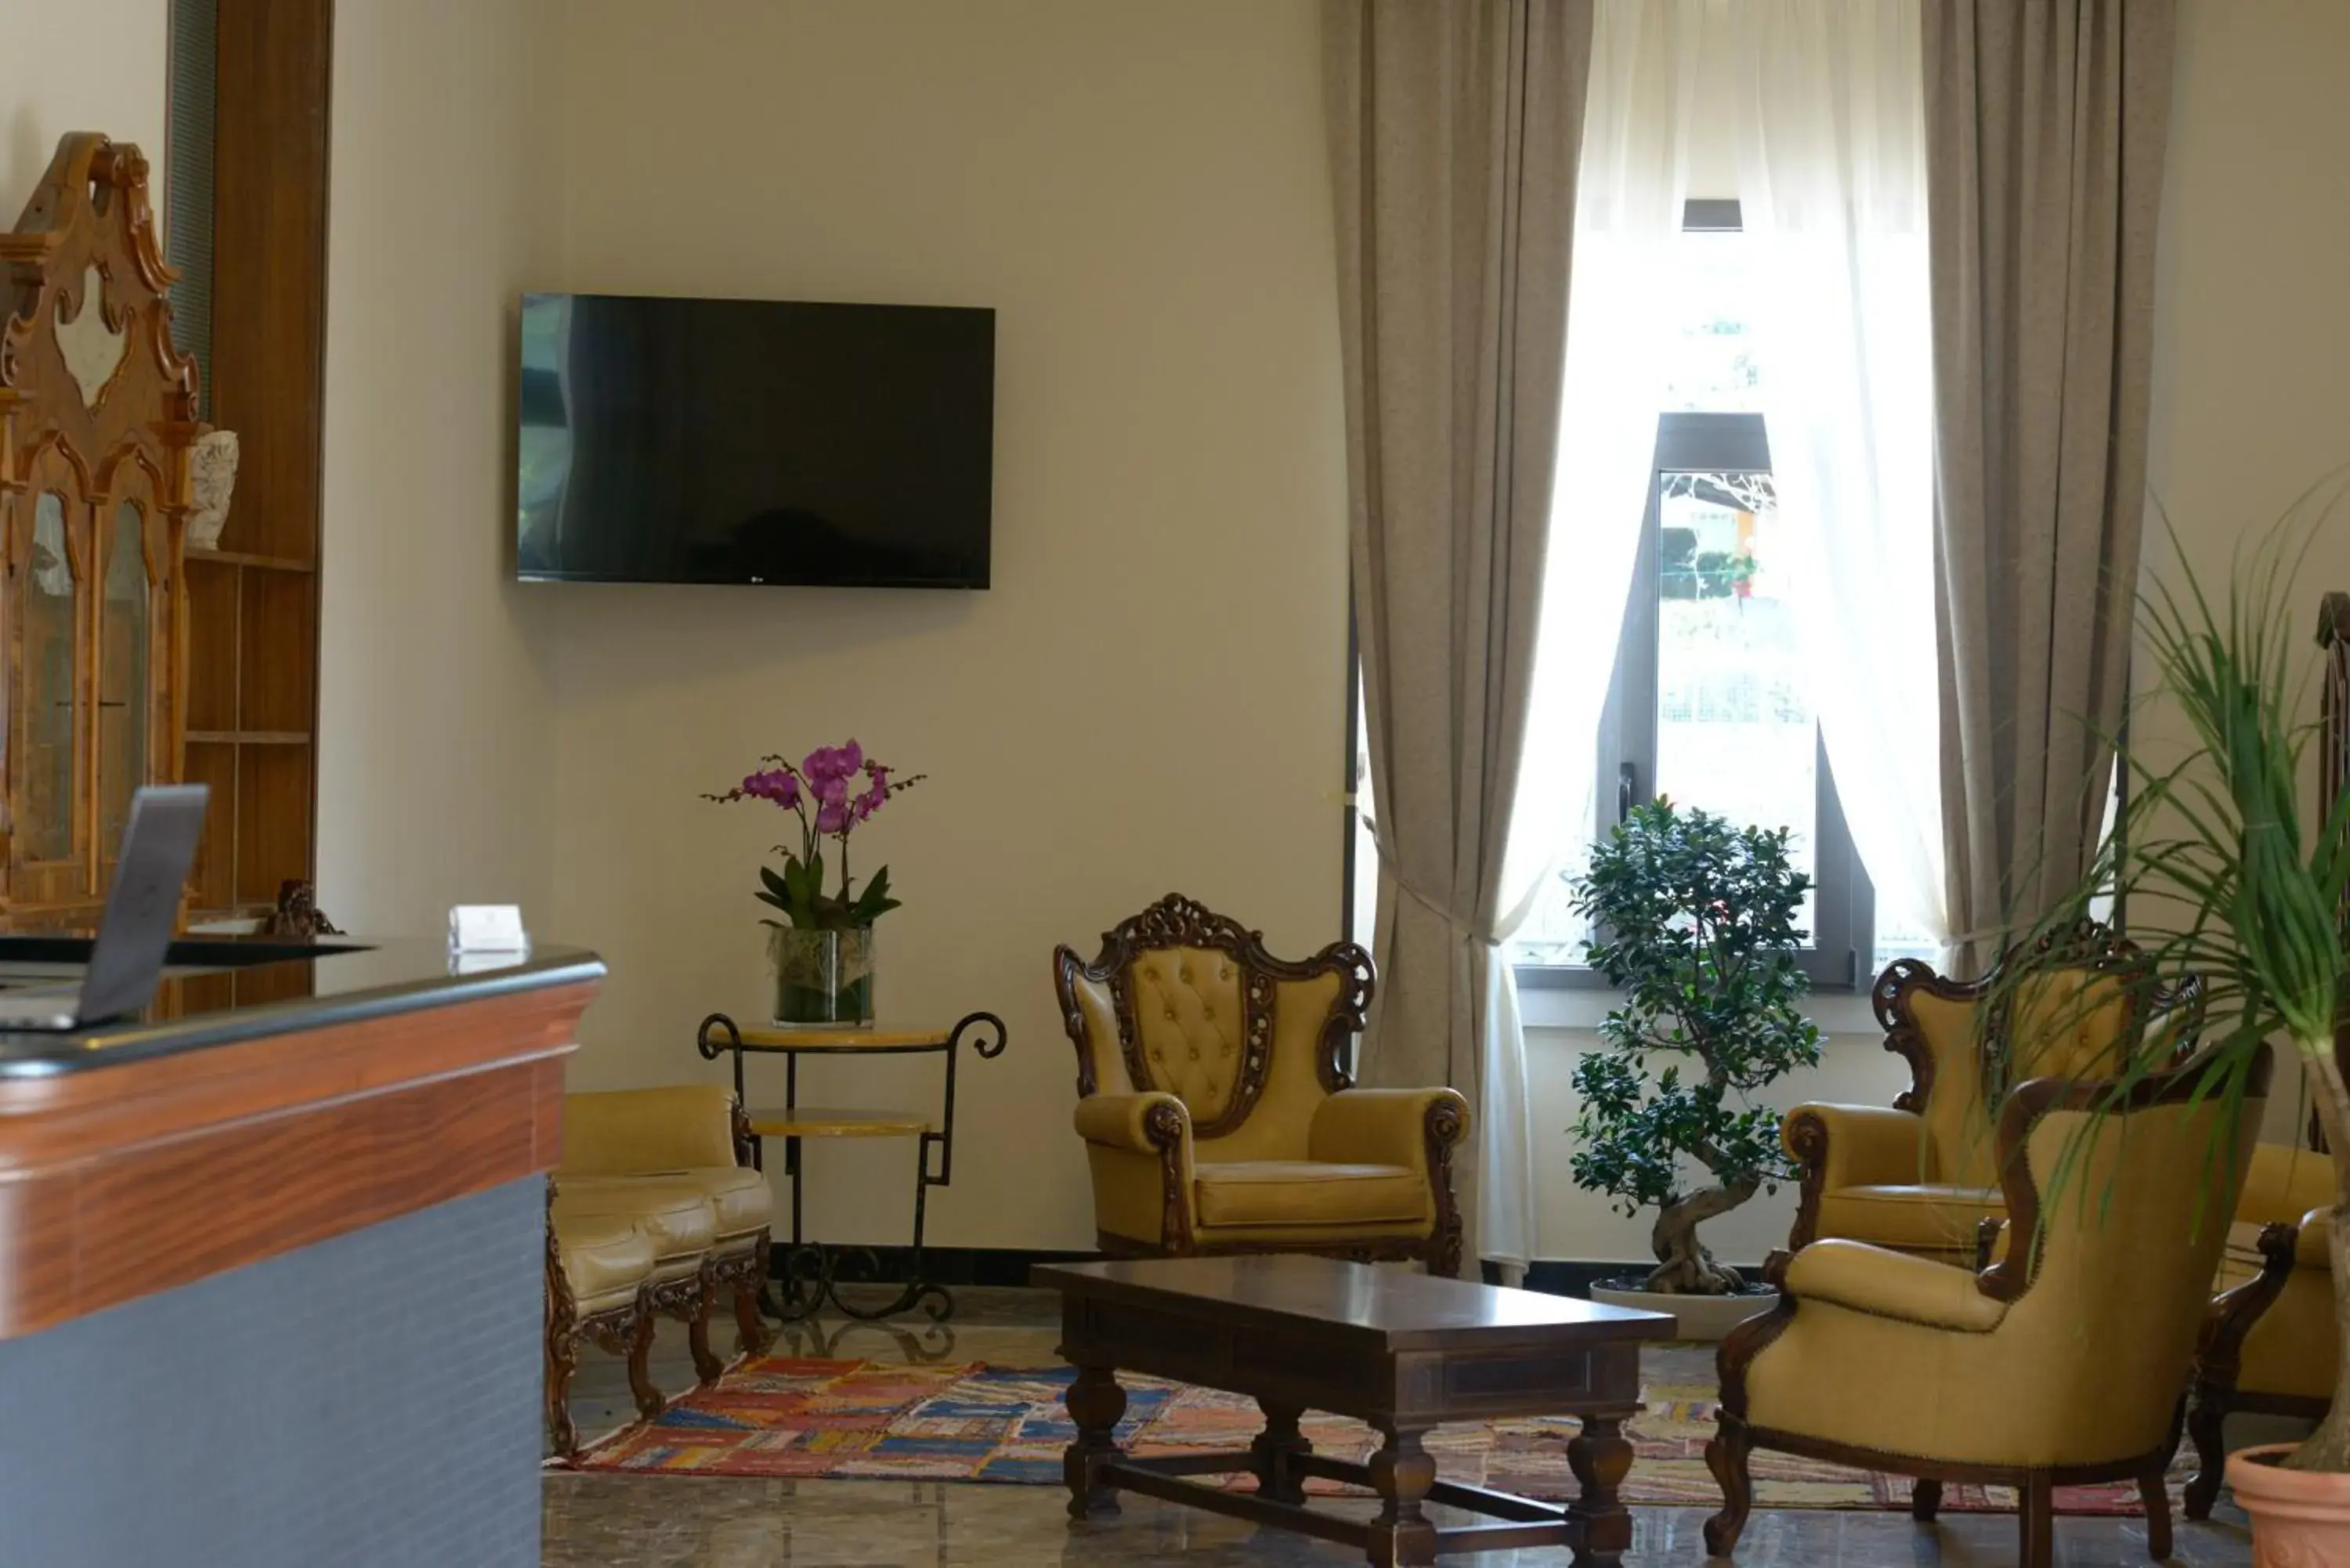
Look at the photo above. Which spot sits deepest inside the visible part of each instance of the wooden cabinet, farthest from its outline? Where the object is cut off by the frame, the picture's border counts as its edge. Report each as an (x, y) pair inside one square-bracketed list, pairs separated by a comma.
[(97, 415)]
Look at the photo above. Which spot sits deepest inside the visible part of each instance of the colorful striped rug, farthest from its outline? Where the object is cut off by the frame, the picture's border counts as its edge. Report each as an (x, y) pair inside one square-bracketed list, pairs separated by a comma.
[(862, 1420)]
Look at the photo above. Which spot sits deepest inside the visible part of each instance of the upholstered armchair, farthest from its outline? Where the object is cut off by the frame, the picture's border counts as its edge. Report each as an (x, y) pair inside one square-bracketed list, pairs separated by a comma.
[(2268, 1344), (1921, 1176), (1217, 1116), (2061, 1364)]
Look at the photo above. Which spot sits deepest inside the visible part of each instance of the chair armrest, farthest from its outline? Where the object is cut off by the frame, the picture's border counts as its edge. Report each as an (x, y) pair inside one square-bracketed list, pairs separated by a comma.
[(1856, 1146), (1387, 1126), (2314, 1247), (639, 1132), (1139, 1123), (1885, 1283)]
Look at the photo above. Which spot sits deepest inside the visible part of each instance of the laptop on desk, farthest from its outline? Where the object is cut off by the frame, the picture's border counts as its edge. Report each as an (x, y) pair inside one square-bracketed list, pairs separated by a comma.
[(134, 933)]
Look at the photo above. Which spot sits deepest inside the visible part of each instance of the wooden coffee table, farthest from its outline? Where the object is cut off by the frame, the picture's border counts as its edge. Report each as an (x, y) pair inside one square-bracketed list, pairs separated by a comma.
[(1403, 1352)]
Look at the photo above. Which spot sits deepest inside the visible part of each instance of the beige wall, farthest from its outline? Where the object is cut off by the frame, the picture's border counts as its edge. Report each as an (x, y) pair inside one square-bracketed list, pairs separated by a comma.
[(1150, 697), (90, 64), (2252, 400), (436, 714)]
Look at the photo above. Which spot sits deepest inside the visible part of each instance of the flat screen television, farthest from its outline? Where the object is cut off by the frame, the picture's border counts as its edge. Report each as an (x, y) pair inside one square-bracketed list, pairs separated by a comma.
[(732, 440)]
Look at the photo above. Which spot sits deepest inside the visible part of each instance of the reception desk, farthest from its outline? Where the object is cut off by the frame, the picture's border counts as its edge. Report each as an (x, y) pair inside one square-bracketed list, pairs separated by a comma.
[(271, 1258)]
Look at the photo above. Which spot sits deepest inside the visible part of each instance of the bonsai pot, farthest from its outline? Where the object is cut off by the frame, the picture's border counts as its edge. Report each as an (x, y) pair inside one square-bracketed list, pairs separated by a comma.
[(2300, 1519), (1698, 1317)]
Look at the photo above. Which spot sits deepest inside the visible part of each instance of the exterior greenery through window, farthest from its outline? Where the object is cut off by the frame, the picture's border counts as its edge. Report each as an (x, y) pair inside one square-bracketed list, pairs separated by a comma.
[(1707, 704)]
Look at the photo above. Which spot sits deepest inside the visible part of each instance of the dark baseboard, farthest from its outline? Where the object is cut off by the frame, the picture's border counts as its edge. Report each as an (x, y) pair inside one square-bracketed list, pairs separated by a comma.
[(1010, 1266), (1576, 1276), (945, 1265)]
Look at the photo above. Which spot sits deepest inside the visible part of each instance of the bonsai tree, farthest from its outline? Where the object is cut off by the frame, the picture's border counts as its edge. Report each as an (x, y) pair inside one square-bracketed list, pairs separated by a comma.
[(2222, 877), (1695, 921)]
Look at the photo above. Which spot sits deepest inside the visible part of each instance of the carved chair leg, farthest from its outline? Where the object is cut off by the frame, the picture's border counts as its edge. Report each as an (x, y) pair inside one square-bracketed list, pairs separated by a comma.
[(707, 1366), (650, 1402), (562, 1361), (1725, 1456), (2155, 1493), (693, 1307), (2038, 1521), (751, 1335), (2206, 1417), (1925, 1499)]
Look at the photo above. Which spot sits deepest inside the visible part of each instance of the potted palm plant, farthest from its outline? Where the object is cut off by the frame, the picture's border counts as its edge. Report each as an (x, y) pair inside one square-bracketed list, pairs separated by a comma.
[(2221, 875), (1695, 921)]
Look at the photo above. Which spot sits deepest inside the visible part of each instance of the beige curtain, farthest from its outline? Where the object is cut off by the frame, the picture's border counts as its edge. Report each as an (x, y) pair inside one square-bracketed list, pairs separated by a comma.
[(1454, 129), (2044, 132)]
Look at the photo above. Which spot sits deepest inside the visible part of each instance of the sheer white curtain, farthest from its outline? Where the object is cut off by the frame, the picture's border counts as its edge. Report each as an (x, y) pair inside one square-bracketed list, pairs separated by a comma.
[(1828, 102), (1633, 176)]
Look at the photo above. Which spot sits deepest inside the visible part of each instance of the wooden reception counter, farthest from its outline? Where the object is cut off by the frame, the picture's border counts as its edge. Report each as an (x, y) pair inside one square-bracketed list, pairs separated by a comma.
[(276, 1235)]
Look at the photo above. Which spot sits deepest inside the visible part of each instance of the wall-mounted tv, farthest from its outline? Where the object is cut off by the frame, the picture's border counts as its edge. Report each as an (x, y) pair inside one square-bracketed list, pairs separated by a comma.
[(730, 440)]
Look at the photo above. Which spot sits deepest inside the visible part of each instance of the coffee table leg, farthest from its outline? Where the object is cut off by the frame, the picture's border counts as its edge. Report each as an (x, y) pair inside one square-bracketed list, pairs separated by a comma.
[(1276, 1448), (1095, 1402), (1402, 1473), (1601, 1457)]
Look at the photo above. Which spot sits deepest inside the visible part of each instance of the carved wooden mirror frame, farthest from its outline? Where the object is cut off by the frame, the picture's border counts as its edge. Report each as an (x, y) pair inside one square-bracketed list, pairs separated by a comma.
[(84, 259)]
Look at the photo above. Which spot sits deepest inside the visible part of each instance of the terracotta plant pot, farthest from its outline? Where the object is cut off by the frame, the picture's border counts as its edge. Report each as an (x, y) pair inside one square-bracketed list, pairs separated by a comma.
[(2299, 1519)]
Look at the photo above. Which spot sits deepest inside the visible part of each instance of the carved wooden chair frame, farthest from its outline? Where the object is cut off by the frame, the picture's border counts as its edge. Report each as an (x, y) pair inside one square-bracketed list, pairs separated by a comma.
[(625, 1331), (2211, 1394), (628, 1331), (2084, 944), (2007, 1280), (1176, 921)]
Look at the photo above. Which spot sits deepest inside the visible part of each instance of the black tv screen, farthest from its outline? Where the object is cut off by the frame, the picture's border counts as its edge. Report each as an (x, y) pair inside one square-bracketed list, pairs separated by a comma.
[(727, 441)]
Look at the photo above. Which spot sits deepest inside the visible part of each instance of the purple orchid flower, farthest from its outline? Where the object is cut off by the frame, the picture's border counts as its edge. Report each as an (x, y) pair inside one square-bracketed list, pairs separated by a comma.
[(776, 784), (832, 791)]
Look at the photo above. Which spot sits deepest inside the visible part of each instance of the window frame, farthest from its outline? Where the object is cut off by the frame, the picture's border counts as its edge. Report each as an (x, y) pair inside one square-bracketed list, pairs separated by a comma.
[(1844, 903)]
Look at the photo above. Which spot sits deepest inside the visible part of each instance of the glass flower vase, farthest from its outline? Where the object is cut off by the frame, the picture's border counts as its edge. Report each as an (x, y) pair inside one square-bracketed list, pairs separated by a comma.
[(823, 979)]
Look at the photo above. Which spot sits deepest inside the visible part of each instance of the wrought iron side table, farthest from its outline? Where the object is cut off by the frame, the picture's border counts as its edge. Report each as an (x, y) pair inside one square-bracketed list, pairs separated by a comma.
[(812, 1271)]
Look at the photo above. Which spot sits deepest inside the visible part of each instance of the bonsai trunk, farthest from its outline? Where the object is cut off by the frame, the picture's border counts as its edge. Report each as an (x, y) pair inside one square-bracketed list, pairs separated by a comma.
[(2328, 1447), (1684, 1266)]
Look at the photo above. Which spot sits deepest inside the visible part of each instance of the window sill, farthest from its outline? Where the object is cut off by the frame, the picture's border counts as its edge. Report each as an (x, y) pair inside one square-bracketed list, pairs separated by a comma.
[(1546, 1004)]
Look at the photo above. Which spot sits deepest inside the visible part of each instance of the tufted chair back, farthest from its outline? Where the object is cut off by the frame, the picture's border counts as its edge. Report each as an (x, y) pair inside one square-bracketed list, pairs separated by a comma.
[(2071, 1018), (1187, 1003)]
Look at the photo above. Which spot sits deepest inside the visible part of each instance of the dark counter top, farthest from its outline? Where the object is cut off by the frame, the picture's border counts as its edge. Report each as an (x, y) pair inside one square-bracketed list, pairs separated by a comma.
[(315, 984)]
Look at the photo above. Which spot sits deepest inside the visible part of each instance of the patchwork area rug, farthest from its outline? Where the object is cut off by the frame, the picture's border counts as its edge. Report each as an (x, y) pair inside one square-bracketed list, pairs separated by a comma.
[(861, 1420)]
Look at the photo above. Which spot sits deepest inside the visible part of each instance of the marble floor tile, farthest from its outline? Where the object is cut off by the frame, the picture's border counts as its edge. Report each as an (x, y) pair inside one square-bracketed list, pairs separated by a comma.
[(645, 1522)]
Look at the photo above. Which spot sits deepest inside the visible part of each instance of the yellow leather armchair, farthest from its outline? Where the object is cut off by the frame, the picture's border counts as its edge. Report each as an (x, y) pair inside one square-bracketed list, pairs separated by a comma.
[(1921, 1176), (2269, 1343), (2062, 1364), (1216, 1115)]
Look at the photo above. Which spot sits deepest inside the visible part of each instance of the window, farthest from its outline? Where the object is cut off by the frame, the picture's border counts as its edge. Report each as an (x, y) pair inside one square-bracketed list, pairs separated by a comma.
[(1707, 704)]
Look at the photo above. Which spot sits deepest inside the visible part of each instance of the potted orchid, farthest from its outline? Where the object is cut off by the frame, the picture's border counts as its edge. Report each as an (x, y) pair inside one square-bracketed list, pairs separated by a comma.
[(821, 951)]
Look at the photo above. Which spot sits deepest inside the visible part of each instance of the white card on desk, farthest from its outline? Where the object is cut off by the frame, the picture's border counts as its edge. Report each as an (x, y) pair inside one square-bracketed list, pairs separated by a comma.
[(487, 927)]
